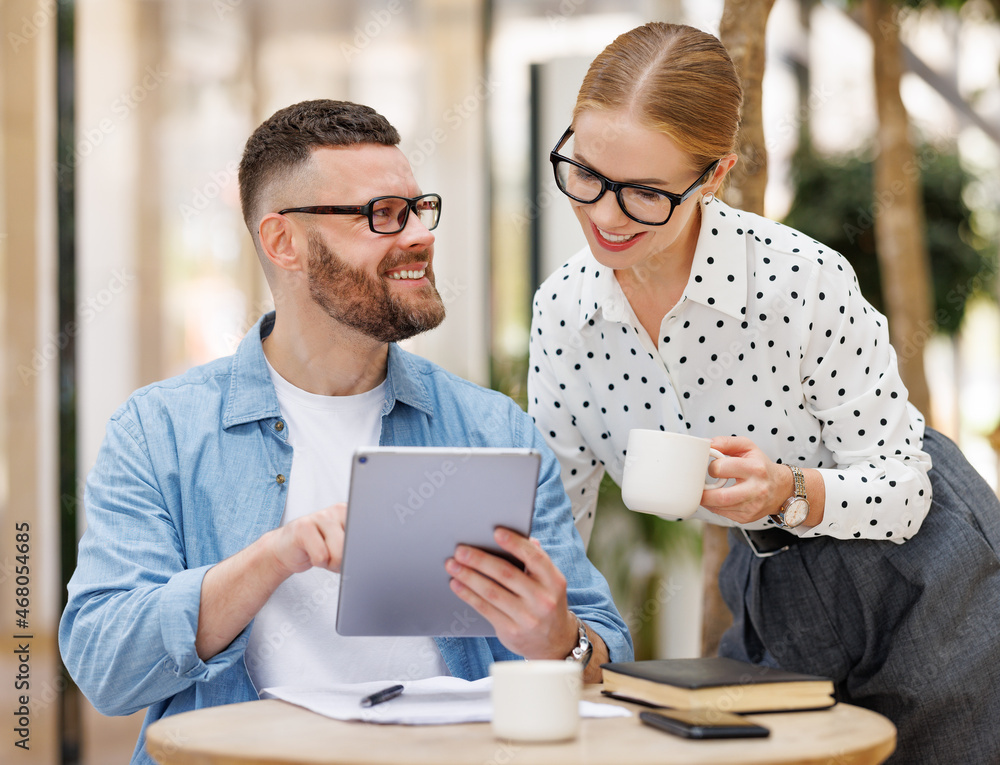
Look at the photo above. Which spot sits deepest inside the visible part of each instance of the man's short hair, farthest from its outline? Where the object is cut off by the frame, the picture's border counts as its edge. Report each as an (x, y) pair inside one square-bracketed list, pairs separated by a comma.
[(287, 138)]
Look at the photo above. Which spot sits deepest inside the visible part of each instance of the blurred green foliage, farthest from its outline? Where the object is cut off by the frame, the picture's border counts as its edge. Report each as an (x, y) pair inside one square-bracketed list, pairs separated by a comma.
[(633, 551), (834, 204)]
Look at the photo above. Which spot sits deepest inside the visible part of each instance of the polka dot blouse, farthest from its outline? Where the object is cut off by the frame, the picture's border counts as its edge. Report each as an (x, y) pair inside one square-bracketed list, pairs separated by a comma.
[(771, 340)]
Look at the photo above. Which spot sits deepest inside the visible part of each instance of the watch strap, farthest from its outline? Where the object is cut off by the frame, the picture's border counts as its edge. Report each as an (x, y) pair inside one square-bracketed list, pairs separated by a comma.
[(799, 493), (800, 481), (583, 650)]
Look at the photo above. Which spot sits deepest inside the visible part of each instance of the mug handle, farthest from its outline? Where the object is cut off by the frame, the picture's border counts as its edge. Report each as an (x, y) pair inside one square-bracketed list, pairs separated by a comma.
[(717, 482)]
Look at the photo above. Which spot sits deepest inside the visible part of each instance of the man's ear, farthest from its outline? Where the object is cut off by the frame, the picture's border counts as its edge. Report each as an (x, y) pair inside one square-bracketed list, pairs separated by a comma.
[(281, 242)]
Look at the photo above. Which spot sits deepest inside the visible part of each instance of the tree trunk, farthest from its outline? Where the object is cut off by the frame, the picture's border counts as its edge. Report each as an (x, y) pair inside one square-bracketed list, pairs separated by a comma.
[(897, 210), (742, 31)]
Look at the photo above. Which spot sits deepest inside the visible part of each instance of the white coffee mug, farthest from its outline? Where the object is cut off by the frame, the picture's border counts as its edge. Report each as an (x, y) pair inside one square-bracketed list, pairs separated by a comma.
[(665, 473), (536, 700)]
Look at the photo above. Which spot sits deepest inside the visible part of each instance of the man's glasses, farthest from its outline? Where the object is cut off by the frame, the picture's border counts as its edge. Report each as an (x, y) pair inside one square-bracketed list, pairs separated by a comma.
[(649, 206), (386, 215)]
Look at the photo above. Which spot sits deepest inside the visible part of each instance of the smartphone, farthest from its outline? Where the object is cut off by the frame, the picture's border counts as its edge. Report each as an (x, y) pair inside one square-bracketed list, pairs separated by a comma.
[(703, 723)]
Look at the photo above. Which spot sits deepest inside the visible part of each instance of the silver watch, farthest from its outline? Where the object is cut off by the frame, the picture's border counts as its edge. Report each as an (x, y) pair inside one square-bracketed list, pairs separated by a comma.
[(796, 508), (583, 650)]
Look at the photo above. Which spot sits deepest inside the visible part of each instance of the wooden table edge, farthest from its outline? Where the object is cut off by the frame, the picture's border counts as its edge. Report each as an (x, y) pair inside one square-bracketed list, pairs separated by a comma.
[(166, 745)]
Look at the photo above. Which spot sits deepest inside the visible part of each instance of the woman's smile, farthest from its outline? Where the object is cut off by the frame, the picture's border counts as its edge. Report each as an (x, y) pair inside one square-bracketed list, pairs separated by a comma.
[(614, 242)]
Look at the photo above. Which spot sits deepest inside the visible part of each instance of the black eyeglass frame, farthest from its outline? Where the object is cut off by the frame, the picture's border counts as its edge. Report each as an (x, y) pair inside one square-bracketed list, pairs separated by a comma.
[(608, 185), (368, 209)]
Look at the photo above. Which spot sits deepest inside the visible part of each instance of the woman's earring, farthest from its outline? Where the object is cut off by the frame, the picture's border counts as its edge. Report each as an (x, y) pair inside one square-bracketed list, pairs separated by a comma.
[(707, 197)]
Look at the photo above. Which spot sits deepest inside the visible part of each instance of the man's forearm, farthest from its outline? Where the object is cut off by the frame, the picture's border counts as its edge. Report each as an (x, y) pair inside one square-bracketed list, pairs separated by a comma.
[(232, 593)]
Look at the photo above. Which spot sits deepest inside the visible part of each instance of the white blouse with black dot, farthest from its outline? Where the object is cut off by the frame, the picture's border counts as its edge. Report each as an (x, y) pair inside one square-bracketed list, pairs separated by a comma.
[(771, 340)]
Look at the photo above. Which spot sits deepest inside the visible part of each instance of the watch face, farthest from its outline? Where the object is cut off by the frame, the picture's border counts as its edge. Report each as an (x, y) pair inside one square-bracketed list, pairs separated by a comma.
[(796, 512)]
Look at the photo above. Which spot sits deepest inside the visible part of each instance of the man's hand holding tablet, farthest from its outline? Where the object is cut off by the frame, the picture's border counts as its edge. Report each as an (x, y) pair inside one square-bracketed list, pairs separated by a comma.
[(527, 608)]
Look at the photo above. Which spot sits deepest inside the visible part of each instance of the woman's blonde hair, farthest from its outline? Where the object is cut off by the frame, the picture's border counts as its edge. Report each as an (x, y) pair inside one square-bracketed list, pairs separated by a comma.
[(674, 79)]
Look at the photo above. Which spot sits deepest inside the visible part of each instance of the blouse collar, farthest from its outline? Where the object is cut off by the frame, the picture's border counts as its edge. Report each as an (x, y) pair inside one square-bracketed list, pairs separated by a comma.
[(718, 276)]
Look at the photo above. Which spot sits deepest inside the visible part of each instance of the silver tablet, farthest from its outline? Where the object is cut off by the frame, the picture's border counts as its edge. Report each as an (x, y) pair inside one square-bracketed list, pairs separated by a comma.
[(407, 509)]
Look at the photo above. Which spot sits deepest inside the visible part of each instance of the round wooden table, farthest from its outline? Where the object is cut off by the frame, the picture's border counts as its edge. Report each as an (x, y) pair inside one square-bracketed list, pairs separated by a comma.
[(277, 733)]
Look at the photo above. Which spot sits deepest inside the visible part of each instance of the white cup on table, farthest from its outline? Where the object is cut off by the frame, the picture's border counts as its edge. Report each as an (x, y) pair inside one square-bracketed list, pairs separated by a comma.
[(536, 700), (665, 473)]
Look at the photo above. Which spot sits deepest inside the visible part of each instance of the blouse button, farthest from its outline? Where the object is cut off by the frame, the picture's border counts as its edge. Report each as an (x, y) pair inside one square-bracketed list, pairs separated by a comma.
[(280, 478), (279, 426)]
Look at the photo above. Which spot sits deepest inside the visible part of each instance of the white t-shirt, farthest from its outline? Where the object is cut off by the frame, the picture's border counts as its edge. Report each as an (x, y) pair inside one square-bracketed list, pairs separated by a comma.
[(294, 640)]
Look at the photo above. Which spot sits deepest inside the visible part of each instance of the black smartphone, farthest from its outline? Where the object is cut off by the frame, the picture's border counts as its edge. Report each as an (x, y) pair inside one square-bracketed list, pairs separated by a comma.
[(703, 723)]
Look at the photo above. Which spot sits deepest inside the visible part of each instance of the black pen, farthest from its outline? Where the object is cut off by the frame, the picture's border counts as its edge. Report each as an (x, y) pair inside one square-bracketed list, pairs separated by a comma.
[(384, 695)]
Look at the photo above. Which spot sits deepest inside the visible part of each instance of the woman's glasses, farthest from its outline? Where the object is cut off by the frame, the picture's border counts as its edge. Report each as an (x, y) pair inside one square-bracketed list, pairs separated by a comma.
[(643, 204)]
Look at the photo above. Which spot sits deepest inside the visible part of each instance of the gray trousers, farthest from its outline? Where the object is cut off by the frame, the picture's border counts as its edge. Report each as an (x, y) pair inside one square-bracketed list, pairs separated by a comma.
[(911, 631)]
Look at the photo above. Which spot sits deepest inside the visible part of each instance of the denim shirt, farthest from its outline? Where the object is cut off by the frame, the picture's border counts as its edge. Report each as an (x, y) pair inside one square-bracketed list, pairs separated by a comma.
[(195, 468)]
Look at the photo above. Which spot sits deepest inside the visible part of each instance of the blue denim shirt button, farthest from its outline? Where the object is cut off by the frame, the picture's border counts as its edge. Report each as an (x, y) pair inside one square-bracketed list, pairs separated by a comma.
[(279, 426), (280, 478)]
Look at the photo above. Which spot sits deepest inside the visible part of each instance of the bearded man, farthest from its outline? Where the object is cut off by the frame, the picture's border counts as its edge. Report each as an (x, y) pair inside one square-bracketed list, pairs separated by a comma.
[(215, 510)]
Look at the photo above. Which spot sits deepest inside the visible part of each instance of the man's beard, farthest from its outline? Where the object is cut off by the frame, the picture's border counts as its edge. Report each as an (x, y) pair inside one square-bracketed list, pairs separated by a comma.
[(366, 304)]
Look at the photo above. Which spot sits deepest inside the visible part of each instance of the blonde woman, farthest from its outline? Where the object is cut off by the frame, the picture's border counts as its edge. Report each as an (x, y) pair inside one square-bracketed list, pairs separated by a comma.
[(851, 556)]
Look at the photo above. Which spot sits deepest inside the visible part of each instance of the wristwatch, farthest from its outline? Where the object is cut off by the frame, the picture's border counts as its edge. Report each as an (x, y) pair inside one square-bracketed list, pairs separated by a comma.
[(583, 650), (796, 508)]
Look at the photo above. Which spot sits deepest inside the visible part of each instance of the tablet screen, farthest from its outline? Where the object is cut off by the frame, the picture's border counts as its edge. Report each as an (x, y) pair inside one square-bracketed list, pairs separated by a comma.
[(408, 509)]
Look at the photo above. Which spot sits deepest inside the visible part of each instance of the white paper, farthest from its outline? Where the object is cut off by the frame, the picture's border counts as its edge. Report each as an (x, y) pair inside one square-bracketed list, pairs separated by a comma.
[(432, 701)]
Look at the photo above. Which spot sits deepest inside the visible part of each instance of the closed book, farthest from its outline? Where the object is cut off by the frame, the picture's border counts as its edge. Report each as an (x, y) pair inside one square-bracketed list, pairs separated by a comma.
[(718, 683)]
